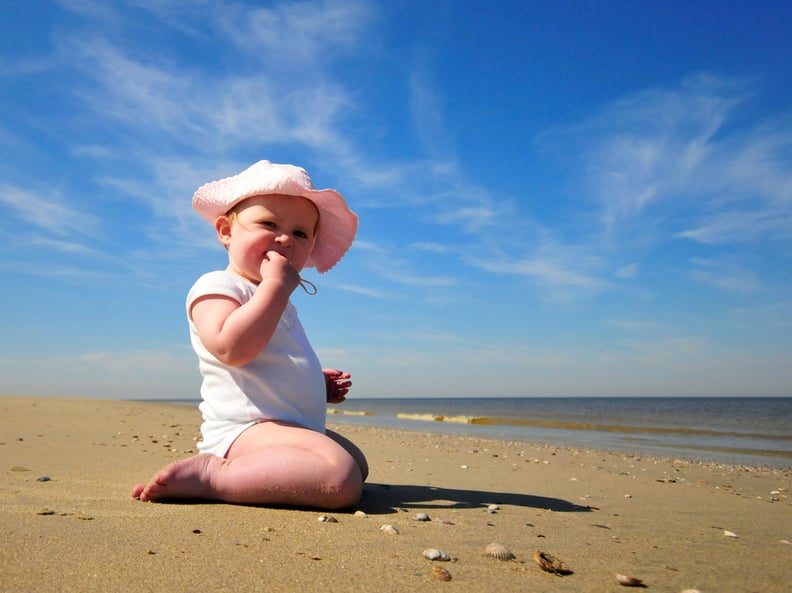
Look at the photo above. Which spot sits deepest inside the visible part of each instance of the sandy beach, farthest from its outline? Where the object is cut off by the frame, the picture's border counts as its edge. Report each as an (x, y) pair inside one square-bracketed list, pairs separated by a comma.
[(70, 525)]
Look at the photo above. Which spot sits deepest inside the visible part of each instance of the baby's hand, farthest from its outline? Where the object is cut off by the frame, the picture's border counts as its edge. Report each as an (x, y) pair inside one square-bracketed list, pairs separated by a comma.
[(276, 266), (338, 385)]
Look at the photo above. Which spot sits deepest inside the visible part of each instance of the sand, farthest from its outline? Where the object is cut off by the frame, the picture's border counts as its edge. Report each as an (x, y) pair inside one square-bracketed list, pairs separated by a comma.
[(68, 465)]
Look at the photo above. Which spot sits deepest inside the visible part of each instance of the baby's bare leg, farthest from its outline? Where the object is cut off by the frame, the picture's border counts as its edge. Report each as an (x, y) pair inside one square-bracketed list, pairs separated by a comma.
[(270, 463)]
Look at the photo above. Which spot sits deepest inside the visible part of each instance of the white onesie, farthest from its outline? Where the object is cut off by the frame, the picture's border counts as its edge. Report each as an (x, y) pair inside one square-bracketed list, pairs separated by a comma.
[(284, 382)]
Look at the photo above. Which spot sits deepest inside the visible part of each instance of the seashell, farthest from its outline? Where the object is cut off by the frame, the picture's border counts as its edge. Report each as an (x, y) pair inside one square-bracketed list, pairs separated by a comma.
[(499, 552), (421, 517), (327, 519), (690, 591), (493, 508), (550, 563), (628, 581), (435, 554), (389, 529), (727, 533), (361, 514), (440, 573)]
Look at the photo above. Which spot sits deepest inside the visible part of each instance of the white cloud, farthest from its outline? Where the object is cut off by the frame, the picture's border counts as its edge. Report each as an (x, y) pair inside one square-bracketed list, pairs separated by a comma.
[(296, 32), (724, 275), (50, 214), (671, 158)]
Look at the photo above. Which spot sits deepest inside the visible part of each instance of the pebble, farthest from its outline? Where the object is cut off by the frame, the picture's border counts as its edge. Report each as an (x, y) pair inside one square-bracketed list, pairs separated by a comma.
[(327, 519), (43, 479), (436, 554), (421, 517), (389, 530)]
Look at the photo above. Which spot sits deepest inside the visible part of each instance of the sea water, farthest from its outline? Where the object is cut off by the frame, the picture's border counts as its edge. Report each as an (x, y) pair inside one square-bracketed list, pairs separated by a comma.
[(737, 430)]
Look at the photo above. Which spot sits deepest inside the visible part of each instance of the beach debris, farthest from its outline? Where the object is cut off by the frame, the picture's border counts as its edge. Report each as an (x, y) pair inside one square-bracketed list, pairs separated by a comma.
[(785, 541), (690, 591), (45, 512), (441, 574), (498, 552), (43, 479), (327, 519), (629, 581), (727, 533), (389, 530), (361, 514), (421, 517), (493, 508), (197, 531), (550, 563), (436, 554)]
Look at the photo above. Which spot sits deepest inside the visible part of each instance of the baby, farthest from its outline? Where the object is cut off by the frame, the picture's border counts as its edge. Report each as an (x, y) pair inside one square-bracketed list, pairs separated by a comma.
[(264, 393)]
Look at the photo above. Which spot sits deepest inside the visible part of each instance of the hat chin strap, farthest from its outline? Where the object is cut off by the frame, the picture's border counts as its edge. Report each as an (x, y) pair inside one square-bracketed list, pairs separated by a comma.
[(308, 286)]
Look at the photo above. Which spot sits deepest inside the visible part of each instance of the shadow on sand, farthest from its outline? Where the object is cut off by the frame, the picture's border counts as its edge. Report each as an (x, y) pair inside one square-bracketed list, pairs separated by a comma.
[(383, 499)]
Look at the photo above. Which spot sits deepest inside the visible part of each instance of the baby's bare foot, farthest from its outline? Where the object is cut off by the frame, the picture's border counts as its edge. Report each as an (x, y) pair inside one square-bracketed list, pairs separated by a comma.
[(186, 478)]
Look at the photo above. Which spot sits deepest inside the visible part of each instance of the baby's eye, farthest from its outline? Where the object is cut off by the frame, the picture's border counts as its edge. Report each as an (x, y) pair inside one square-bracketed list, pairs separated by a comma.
[(301, 234), (268, 224)]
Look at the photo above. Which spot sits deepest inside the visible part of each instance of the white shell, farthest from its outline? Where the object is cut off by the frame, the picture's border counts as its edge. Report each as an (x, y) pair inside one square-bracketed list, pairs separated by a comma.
[(389, 529), (499, 552), (436, 554), (421, 517), (327, 519), (628, 581)]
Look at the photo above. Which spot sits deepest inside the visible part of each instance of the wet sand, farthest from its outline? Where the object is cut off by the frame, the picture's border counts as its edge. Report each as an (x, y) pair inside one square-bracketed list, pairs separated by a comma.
[(67, 466)]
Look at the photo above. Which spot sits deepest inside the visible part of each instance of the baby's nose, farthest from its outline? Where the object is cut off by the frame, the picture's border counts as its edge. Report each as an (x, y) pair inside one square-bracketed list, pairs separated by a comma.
[(284, 239)]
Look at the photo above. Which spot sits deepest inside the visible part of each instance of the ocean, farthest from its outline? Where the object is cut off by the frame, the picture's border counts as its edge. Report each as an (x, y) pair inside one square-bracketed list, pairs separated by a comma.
[(753, 431), (735, 430)]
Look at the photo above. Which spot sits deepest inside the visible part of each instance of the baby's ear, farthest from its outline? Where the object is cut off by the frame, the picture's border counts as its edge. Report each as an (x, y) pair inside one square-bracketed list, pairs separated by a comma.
[(223, 227)]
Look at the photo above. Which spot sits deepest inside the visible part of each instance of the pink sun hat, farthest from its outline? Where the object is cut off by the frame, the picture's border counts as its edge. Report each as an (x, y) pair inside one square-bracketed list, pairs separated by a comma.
[(337, 223)]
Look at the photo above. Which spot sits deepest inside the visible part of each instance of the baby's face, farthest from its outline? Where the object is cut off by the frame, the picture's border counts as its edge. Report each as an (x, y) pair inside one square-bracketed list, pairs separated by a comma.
[(284, 224)]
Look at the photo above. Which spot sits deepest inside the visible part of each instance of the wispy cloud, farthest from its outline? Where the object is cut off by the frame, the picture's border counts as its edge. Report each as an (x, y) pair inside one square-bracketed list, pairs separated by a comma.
[(300, 32), (670, 159), (52, 215), (724, 275)]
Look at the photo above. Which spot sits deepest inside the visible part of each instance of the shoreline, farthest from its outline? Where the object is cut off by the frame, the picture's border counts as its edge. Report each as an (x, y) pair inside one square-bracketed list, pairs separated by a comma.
[(676, 524), (543, 421)]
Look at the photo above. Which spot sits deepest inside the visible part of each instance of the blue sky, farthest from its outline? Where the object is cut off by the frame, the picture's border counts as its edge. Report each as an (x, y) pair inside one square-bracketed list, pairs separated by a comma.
[(555, 198)]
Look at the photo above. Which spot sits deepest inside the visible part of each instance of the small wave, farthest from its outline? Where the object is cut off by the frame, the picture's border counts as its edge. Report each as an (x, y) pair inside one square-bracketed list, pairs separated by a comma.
[(587, 426), (422, 417)]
